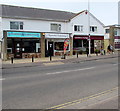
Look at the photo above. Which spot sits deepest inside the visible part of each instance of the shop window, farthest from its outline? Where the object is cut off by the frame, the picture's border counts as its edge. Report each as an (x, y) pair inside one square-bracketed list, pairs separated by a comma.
[(55, 27), (78, 28), (77, 43), (30, 46), (85, 43), (93, 29), (16, 25), (60, 46), (9, 50), (9, 46)]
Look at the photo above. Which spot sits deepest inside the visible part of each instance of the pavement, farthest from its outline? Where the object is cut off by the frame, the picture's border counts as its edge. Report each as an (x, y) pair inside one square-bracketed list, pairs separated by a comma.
[(55, 60)]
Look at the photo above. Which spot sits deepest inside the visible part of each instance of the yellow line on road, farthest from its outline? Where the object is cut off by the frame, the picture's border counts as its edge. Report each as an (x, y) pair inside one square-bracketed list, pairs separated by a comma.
[(83, 99)]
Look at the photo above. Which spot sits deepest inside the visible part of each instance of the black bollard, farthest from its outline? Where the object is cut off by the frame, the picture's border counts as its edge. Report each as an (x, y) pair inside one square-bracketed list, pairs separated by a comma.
[(32, 59), (104, 52), (64, 56), (77, 54), (12, 60), (50, 58)]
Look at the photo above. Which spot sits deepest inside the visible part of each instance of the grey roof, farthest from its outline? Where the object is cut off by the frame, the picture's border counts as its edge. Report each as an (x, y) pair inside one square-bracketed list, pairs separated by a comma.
[(35, 13)]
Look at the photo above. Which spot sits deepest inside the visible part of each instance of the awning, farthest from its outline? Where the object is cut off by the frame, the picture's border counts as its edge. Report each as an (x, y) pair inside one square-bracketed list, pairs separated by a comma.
[(87, 37)]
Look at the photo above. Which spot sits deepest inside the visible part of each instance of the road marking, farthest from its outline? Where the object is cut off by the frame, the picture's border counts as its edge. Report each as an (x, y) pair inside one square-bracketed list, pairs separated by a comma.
[(116, 64), (1, 79), (100, 102), (53, 63), (70, 71), (83, 99)]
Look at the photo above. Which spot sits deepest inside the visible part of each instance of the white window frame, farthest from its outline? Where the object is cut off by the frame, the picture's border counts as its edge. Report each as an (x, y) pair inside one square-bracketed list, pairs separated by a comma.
[(19, 23), (79, 28), (93, 30), (57, 29)]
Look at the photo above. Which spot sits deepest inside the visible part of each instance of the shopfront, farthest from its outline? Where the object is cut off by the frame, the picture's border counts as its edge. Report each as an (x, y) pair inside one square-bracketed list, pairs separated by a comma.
[(117, 42), (23, 44), (81, 42), (54, 44)]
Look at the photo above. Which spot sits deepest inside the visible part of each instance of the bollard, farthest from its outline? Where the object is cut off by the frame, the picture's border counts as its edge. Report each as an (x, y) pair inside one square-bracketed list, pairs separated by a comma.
[(32, 59), (12, 60), (77, 54), (50, 58), (64, 56)]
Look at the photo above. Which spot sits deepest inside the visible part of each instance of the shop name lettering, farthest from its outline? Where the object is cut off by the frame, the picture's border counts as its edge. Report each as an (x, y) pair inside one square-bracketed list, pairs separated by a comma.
[(23, 34), (56, 35)]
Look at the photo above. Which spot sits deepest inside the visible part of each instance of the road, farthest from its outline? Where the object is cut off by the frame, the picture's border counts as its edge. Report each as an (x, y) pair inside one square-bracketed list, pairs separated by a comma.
[(42, 87)]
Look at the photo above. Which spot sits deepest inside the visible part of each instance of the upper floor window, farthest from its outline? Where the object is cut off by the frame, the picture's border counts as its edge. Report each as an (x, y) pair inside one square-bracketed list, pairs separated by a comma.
[(55, 27), (107, 31), (93, 29), (115, 32), (16, 25), (78, 28)]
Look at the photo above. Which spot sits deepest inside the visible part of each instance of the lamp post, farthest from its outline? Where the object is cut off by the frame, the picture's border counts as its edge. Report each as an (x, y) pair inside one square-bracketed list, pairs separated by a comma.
[(89, 28), (89, 46)]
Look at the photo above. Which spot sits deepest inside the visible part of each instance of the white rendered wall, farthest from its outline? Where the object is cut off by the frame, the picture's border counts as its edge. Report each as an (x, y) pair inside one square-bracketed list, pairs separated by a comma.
[(82, 19), (34, 25), (66, 27)]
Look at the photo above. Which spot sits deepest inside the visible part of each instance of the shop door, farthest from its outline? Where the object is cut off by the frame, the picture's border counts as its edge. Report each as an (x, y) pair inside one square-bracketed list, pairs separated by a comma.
[(50, 48), (92, 46), (18, 50)]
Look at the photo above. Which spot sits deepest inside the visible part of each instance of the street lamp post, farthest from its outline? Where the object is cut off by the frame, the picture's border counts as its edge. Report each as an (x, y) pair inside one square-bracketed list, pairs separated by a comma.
[(89, 28), (89, 45)]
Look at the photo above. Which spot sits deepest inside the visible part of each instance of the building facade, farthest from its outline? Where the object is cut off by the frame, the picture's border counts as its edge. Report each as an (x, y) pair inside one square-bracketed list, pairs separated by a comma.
[(28, 32), (112, 37), (84, 24), (119, 13)]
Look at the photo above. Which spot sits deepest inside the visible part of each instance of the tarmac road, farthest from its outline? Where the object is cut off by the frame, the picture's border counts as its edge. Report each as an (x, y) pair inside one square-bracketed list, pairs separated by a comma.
[(49, 86)]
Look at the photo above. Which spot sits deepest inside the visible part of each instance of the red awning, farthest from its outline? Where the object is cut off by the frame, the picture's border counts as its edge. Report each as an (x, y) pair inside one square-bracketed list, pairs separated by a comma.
[(117, 37), (80, 37), (86, 37)]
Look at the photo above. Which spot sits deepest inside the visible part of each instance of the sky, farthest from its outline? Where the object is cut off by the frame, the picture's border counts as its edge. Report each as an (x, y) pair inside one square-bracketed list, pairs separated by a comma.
[(105, 10)]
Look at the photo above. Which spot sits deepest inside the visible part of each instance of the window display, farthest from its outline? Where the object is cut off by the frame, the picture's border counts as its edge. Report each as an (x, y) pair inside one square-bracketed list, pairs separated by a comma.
[(59, 45)]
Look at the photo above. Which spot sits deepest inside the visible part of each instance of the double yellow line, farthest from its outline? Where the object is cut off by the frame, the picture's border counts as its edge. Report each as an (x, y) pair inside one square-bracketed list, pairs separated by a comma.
[(80, 100)]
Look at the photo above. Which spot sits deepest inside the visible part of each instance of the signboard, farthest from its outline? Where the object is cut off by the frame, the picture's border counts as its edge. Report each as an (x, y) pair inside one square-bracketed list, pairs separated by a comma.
[(81, 38), (91, 37), (53, 35), (23, 35)]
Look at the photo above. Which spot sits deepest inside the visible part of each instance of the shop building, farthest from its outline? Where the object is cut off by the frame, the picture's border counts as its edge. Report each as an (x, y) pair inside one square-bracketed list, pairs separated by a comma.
[(86, 25), (23, 44), (112, 37), (28, 32), (56, 41), (35, 32)]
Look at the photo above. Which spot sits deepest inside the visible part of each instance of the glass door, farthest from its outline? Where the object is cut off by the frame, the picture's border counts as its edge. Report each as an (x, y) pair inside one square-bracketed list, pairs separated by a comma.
[(17, 49)]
